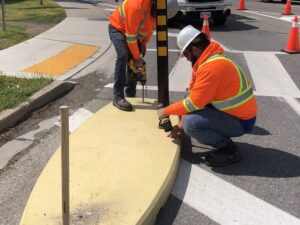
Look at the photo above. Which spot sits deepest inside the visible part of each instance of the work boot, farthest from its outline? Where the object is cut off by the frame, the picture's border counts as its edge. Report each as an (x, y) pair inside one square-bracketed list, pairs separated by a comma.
[(226, 155), (122, 104)]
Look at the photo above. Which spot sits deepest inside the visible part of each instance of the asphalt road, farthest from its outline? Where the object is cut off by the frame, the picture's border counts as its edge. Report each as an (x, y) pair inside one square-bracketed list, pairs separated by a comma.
[(263, 189)]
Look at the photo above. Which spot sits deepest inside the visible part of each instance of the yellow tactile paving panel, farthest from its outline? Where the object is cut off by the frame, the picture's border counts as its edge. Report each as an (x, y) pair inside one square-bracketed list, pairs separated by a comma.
[(63, 61), (122, 168)]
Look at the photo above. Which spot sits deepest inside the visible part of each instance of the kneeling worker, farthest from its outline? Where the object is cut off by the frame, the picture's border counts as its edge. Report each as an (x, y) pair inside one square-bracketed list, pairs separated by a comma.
[(220, 103)]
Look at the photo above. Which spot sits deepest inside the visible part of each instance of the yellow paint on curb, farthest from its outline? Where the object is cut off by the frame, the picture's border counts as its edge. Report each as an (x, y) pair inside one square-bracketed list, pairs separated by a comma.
[(63, 61), (122, 169)]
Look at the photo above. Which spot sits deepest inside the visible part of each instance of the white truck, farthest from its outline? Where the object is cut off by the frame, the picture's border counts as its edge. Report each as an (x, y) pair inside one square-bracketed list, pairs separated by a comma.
[(218, 10)]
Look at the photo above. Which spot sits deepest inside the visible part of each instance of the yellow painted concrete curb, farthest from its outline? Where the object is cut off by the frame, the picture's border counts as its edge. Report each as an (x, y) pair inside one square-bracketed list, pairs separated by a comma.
[(122, 169)]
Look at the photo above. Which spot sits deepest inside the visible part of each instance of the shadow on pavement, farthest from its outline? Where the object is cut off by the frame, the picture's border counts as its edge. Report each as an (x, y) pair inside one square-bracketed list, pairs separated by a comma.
[(259, 131), (168, 214), (263, 162), (234, 23), (256, 161)]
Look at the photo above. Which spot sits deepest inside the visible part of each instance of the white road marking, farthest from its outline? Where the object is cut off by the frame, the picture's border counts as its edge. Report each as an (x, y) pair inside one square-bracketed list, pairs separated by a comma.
[(224, 47), (170, 34), (180, 75), (223, 202), (114, 6), (284, 18), (109, 9), (77, 118), (288, 18), (169, 50), (293, 103), (269, 76), (138, 87)]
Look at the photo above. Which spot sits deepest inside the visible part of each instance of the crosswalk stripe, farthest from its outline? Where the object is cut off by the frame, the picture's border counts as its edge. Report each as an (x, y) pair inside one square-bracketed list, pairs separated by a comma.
[(269, 76), (223, 202)]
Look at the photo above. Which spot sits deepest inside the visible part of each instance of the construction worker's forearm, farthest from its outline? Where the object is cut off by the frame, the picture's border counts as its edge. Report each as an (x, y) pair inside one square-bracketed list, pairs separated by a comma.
[(176, 109), (134, 50), (146, 40), (180, 124)]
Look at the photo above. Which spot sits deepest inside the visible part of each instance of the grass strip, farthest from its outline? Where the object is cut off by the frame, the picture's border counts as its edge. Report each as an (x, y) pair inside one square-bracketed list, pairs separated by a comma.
[(13, 35), (14, 90), (32, 10)]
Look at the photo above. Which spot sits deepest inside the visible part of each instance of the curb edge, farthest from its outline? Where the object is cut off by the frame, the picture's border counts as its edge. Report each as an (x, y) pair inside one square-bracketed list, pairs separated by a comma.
[(10, 117)]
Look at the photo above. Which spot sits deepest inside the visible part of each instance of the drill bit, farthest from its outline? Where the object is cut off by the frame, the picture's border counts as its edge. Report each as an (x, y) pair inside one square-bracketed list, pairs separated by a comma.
[(143, 89)]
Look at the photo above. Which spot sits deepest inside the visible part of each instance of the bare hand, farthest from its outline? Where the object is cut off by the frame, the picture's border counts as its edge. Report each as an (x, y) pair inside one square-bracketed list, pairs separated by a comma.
[(176, 132), (160, 113), (138, 63)]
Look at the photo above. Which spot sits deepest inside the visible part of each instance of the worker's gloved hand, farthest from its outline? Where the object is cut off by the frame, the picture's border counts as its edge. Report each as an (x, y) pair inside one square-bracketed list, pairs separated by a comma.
[(143, 50), (139, 63), (176, 132)]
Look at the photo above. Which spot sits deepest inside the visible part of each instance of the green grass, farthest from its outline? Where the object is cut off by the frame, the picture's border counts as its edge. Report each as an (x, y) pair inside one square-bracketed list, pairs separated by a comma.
[(15, 90), (32, 10), (18, 12), (12, 36)]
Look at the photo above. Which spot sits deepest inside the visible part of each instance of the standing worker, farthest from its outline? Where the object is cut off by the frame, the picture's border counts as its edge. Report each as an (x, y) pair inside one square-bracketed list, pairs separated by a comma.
[(131, 27), (220, 103)]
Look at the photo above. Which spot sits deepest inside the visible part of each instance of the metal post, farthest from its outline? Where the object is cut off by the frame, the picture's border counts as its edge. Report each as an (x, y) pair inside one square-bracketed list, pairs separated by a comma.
[(3, 16), (64, 114), (162, 52)]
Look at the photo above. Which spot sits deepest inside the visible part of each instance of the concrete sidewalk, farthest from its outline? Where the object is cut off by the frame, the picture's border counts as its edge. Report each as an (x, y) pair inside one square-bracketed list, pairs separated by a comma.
[(83, 30), (60, 53)]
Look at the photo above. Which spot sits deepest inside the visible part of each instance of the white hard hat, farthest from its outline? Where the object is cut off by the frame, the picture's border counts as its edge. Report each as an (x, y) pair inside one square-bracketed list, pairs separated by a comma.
[(172, 8), (185, 37)]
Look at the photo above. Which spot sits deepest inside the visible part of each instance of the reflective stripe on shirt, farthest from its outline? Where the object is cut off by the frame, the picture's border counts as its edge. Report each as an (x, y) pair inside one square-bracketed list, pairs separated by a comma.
[(189, 106), (245, 91)]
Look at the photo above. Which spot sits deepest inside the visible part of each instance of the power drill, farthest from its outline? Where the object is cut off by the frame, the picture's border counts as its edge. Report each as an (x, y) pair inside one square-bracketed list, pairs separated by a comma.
[(164, 121), (138, 73)]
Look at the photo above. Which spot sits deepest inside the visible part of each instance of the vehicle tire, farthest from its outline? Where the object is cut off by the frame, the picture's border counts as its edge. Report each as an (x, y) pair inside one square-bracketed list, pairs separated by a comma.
[(219, 20)]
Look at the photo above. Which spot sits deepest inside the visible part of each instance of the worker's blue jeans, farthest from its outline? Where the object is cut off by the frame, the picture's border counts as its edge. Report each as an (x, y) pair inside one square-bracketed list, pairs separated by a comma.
[(121, 75), (212, 127)]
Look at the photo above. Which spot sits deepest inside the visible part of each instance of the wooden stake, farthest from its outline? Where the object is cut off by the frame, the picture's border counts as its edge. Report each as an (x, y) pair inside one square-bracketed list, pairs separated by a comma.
[(64, 114)]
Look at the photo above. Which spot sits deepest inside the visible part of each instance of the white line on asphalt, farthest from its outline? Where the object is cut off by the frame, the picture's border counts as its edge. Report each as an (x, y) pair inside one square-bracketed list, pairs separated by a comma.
[(284, 18), (139, 87), (225, 48), (269, 76), (109, 10), (170, 34), (169, 50), (293, 103), (179, 80), (223, 202), (288, 18), (77, 118), (114, 6)]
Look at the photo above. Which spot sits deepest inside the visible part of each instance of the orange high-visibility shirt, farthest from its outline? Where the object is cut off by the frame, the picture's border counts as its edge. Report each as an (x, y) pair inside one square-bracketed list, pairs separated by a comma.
[(214, 81), (133, 18)]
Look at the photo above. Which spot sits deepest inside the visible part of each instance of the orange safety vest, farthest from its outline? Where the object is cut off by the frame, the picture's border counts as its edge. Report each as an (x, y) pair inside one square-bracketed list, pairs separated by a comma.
[(133, 18), (218, 81)]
